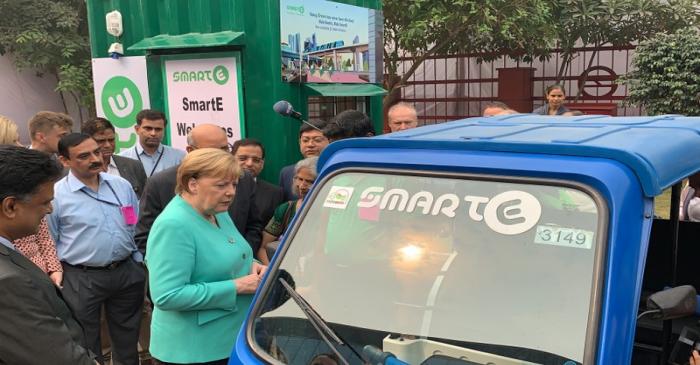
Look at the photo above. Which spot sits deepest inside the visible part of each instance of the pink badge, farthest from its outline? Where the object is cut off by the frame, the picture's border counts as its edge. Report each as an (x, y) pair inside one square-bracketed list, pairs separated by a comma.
[(129, 215)]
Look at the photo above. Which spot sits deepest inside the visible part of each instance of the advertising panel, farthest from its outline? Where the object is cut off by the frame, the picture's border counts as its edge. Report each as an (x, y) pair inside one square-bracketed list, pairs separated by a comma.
[(202, 90), (327, 42), (121, 91)]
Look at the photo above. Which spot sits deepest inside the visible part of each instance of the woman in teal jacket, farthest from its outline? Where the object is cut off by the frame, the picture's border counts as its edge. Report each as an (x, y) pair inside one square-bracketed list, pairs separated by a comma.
[(202, 273)]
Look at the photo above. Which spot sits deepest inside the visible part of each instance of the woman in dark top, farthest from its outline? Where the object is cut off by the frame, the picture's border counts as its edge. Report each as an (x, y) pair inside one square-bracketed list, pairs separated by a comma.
[(555, 102), (304, 177)]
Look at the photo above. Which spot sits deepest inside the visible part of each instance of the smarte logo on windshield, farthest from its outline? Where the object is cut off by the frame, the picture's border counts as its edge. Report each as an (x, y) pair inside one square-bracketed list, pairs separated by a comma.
[(219, 75), (509, 213)]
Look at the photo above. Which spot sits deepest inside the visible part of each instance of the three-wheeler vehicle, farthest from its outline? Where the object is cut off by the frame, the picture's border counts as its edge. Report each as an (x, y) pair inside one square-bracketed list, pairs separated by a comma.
[(509, 240)]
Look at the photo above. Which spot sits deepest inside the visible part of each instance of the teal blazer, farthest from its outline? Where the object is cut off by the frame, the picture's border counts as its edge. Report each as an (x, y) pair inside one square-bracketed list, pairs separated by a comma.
[(191, 266)]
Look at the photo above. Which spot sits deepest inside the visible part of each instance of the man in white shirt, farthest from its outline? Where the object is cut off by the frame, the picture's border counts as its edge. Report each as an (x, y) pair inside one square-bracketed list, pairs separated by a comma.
[(155, 156)]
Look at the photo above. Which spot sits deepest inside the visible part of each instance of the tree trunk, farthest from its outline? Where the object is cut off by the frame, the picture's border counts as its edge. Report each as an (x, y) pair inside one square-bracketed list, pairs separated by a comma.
[(582, 82), (566, 60)]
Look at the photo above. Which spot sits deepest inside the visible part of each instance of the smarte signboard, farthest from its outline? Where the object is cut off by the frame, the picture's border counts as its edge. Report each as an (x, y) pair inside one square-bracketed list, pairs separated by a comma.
[(328, 42), (202, 90)]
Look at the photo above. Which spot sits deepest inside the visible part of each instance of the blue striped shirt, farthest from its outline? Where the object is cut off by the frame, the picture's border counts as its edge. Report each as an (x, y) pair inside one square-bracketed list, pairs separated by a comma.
[(88, 226)]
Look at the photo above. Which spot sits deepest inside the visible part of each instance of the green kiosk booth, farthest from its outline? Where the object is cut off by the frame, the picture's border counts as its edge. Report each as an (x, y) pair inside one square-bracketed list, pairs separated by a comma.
[(227, 62)]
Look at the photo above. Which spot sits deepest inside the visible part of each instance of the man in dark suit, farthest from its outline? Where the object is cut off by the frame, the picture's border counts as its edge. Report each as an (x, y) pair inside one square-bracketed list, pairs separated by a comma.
[(250, 154), (312, 142), (102, 131), (160, 189), (37, 325)]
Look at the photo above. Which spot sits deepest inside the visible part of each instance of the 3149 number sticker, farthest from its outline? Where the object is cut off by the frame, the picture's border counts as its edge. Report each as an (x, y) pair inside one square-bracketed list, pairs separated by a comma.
[(566, 237)]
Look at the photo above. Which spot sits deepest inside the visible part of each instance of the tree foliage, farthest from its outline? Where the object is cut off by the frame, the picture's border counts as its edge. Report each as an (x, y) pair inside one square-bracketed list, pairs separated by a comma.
[(666, 74), (616, 22), (425, 28), (51, 37)]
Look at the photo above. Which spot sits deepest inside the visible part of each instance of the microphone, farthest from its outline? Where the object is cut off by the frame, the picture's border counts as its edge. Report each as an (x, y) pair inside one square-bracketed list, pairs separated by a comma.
[(286, 109)]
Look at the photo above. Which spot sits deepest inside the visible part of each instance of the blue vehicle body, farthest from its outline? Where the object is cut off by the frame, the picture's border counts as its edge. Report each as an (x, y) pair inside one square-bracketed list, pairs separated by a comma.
[(624, 162)]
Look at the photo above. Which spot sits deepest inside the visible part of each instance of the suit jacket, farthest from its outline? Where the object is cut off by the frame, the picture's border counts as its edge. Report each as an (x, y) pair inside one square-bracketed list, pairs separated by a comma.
[(185, 250), (287, 182), (160, 189), (37, 326), (132, 171), (267, 198)]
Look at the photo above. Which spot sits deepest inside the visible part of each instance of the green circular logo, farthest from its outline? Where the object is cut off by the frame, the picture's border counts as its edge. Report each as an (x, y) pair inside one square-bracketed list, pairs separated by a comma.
[(121, 101), (220, 75)]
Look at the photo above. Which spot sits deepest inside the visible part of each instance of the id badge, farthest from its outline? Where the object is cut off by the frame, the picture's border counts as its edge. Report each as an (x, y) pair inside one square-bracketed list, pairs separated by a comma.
[(129, 215)]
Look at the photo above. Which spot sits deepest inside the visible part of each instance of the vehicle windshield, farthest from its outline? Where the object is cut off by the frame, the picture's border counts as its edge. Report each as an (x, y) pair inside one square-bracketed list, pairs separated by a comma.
[(406, 262)]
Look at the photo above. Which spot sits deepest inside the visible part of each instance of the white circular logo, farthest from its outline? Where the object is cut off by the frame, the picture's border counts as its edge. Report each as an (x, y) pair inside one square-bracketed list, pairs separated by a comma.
[(512, 212)]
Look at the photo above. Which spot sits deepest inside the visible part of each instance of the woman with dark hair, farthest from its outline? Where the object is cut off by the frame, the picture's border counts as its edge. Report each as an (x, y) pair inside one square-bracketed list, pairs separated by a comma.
[(555, 102)]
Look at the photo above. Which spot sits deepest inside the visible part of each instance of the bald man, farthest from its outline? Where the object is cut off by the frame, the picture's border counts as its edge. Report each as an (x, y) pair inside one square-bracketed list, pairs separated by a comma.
[(402, 116), (160, 189)]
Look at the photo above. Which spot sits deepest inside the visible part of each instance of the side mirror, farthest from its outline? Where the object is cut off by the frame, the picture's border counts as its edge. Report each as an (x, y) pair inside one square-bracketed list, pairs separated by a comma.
[(672, 303)]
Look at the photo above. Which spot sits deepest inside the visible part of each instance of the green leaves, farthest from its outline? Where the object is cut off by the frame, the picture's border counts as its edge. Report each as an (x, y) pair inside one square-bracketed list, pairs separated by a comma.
[(51, 37), (666, 74)]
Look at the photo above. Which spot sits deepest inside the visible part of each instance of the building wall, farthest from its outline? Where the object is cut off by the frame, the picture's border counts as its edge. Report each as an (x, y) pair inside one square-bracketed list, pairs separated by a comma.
[(22, 94)]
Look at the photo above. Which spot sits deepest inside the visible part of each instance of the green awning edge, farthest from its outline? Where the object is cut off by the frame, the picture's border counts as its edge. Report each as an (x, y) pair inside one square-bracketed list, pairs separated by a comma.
[(345, 89), (189, 40)]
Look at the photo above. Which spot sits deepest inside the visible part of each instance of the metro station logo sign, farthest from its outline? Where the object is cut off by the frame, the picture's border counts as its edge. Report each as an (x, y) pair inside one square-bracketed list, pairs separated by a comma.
[(298, 10), (219, 75), (121, 101)]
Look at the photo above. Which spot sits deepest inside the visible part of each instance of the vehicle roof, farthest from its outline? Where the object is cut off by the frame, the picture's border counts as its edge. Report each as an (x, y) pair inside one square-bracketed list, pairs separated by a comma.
[(660, 150)]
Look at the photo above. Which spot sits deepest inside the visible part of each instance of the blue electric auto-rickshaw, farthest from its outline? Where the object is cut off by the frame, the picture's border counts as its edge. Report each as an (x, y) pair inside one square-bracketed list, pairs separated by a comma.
[(508, 240)]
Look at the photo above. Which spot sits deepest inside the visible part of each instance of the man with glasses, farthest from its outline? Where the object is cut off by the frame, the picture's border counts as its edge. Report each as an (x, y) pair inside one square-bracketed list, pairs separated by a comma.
[(250, 154), (311, 143), (102, 131), (160, 189)]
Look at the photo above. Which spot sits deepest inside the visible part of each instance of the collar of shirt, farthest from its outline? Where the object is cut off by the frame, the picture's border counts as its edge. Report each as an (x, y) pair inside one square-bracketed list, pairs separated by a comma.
[(74, 184), (141, 151), (4, 241), (112, 168)]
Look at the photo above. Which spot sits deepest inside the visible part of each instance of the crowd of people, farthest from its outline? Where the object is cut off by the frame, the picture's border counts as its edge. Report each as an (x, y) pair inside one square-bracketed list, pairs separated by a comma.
[(89, 238)]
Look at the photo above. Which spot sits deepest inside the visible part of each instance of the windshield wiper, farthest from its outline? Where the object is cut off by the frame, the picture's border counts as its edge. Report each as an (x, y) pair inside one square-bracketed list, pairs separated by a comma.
[(321, 326)]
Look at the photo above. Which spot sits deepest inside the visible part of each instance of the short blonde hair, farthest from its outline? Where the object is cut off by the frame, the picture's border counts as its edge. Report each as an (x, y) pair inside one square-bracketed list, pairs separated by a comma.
[(8, 131), (44, 121), (205, 162)]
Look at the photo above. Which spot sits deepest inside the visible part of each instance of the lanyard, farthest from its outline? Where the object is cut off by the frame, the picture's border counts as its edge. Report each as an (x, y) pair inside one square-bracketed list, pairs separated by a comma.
[(162, 152), (105, 201)]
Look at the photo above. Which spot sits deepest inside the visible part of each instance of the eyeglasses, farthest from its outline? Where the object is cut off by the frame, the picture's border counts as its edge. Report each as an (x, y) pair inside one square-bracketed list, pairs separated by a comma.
[(244, 158), (317, 140)]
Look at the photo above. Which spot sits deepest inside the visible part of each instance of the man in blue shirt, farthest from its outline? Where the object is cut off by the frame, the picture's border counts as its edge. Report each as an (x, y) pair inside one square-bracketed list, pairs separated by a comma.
[(93, 224), (155, 157), (37, 325)]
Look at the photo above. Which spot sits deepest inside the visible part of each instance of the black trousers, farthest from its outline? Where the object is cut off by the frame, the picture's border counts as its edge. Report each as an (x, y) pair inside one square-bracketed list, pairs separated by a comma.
[(121, 291)]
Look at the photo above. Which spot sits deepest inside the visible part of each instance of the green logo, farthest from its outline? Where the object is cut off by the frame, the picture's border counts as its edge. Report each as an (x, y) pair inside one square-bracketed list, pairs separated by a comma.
[(121, 101), (299, 9), (220, 75)]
